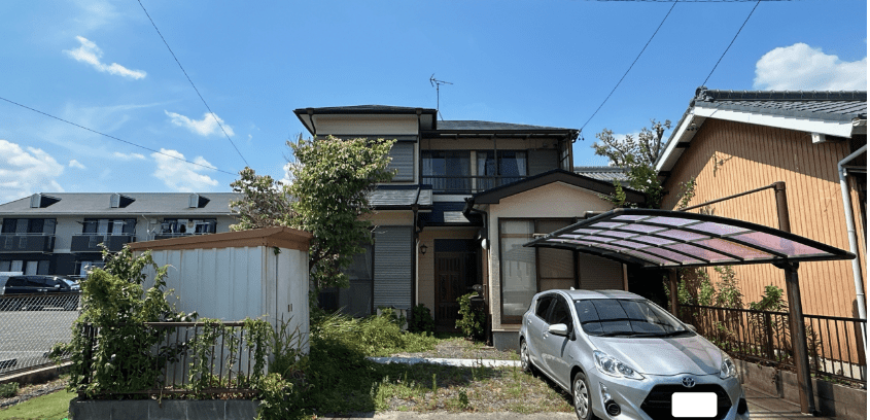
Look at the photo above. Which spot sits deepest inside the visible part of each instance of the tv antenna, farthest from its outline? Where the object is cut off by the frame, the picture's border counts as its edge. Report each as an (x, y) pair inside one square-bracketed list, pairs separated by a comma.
[(437, 85)]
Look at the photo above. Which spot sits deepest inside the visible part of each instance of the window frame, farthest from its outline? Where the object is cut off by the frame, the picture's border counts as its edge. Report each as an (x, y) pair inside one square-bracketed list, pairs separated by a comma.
[(518, 319)]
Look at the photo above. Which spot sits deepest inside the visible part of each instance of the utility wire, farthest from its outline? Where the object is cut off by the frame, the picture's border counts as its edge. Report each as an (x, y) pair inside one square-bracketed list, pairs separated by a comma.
[(629, 67), (732, 42), (213, 115), (115, 138)]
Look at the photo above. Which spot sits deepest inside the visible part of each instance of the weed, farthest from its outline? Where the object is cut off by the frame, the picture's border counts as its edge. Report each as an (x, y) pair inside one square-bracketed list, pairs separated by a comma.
[(8, 390)]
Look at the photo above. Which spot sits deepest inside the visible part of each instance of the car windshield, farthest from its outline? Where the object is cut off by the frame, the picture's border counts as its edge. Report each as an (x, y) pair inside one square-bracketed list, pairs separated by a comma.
[(626, 317), (69, 282)]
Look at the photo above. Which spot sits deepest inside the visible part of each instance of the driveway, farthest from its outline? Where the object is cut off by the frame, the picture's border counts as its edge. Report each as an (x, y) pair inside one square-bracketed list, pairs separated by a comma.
[(761, 406)]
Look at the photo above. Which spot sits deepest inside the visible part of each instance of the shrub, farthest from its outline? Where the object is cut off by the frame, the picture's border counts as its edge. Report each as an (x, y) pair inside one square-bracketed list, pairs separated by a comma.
[(421, 320), (471, 319), (8, 390), (374, 336)]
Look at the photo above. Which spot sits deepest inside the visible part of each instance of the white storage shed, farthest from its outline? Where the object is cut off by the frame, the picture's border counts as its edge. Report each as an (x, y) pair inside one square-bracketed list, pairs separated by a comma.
[(260, 273)]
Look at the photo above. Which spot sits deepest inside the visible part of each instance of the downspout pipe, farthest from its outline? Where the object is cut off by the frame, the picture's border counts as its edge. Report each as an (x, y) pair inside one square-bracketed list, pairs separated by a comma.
[(853, 236)]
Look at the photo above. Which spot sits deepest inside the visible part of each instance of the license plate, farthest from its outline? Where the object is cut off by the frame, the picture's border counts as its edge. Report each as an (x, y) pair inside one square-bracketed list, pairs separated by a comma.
[(693, 404)]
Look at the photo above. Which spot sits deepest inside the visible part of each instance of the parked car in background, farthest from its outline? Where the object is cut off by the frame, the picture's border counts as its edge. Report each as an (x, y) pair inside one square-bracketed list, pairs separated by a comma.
[(618, 354), (28, 286), (4, 275)]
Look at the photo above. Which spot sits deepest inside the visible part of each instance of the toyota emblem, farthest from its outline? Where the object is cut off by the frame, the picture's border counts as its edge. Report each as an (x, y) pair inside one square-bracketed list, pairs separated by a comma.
[(688, 382)]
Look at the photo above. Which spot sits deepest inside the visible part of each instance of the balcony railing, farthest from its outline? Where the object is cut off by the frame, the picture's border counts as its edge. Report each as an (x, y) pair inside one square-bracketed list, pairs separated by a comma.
[(91, 243), (467, 184), (27, 243), (167, 235)]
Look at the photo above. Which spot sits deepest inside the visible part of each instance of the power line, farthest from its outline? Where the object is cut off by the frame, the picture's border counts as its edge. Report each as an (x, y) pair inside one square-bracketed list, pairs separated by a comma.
[(114, 138), (732, 42), (213, 115), (629, 67)]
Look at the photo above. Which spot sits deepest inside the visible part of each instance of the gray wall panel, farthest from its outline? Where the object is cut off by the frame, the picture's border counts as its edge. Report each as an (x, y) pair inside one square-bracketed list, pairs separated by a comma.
[(403, 161), (393, 277), (543, 160)]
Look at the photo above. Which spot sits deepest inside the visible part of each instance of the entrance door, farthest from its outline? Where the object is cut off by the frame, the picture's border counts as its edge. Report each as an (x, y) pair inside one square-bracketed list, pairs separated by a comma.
[(455, 274)]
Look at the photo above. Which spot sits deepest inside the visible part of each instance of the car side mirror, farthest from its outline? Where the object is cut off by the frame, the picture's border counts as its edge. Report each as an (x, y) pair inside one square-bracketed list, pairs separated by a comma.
[(559, 329), (691, 327), (57, 286)]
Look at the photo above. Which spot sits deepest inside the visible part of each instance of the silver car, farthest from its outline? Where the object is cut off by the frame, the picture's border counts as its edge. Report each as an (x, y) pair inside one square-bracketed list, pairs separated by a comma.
[(621, 356)]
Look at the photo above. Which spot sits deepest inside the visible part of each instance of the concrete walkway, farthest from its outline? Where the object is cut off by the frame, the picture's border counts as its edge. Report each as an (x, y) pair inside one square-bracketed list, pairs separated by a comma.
[(447, 362)]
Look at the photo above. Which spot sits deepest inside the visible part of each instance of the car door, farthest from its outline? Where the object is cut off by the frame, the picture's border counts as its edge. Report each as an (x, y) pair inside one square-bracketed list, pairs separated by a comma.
[(554, 349), (536, 325), (36, 284), (16, 284)]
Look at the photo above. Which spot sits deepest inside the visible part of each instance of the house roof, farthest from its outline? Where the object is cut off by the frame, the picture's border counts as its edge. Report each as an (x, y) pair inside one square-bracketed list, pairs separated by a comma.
[(494, 196), (477, 125), (836, 106), (143, 203), (386, 197), (838, 114), (449, 214), (365, 109), (603, 173)]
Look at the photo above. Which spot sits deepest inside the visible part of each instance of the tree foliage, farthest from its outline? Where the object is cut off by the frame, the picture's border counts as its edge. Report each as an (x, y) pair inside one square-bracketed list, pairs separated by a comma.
[(637, 155), (332, 181), (264, 202)]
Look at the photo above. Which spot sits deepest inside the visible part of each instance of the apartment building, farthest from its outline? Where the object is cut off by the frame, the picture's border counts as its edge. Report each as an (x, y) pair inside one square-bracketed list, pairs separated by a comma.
[(60, 233)]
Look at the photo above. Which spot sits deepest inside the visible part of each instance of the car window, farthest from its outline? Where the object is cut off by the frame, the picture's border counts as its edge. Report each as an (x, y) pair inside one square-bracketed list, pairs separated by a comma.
[(561, 314), (543, 306), (34, 281), (16, 281), (625, 316)]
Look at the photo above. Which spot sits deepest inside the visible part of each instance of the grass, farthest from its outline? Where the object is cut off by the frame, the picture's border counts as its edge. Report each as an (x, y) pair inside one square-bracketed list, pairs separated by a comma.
[(53, 406)]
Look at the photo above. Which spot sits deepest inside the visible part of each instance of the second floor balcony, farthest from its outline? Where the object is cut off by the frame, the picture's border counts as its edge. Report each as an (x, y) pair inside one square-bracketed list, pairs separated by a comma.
[(26, 243), (91, 243), (467, 184)]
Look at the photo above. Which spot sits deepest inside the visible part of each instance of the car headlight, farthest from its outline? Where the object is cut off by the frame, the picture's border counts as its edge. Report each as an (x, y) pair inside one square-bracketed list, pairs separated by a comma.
[(727, 370), (612, 366)]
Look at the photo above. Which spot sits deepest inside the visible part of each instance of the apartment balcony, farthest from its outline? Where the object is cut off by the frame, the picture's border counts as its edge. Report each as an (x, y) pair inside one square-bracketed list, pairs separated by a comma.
[(467, 184), (160, 236), (26, 243), (90, 243)]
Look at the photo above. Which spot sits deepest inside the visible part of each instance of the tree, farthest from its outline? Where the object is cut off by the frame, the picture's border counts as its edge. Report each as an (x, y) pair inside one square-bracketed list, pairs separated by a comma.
[(264, 202), (332, 181), (637, 156)]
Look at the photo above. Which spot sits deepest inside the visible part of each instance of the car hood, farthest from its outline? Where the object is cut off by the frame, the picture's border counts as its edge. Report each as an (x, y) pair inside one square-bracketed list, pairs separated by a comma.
[(664, 356)]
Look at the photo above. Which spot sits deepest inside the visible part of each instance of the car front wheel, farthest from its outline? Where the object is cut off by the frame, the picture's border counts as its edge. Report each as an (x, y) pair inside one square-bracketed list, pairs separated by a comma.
[(582, 398), (525, 362)]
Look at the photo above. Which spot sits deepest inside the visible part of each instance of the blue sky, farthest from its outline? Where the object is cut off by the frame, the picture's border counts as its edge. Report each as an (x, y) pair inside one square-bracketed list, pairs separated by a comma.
[(101, 64)]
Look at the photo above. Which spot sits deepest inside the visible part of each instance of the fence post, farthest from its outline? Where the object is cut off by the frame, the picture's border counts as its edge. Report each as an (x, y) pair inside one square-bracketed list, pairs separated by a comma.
[(88, 331), (768, 331)]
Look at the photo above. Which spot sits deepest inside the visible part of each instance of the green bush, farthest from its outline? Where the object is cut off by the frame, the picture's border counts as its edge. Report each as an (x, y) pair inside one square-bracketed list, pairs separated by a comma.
[(471, 320), (374, 336), (8, 390), (421, 320)]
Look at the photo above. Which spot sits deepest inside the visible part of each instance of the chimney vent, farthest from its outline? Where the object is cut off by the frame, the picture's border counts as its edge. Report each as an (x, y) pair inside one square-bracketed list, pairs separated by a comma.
[(194, 201), (35, 200), (115, 201)]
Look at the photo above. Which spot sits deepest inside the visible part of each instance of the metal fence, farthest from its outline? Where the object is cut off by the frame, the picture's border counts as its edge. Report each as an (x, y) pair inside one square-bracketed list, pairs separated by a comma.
[(193, 358), (835, 344), (30, 325)]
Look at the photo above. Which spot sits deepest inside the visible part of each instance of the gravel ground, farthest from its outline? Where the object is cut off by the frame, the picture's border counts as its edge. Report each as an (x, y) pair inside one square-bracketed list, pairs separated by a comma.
[(460, 348), (32, 391)]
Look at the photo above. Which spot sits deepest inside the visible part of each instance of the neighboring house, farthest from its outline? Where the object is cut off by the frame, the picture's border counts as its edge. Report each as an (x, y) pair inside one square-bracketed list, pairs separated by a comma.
[(59, 233), (466, 196), (731, 142), (604, 173)]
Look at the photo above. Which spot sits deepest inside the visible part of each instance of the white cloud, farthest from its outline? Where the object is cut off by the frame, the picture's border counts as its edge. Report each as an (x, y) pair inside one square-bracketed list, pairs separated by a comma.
[(207, 126), (182, 176), (287, 180), (76, 164), (23, 173), (801, 67), (89, 52), (127, 156)]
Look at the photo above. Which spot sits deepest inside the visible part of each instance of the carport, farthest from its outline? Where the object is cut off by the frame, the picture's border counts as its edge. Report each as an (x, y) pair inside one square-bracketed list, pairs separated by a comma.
[(656, 239)]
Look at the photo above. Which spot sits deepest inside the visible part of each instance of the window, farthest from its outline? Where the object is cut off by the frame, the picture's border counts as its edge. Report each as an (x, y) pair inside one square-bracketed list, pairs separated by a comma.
[(526, 271), (356, 300), (626, 317), (447, 171), (561, 313), (28, 226), (511, 167), (402, 161), (543, 306), (103, 227)]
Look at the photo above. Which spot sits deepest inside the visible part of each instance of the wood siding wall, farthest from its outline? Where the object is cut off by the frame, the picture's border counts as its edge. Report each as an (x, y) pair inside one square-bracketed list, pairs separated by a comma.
[(728, 158)]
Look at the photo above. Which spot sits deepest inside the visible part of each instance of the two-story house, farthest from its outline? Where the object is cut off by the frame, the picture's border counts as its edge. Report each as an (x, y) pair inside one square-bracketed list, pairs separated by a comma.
[(60, 233), (465, 197)]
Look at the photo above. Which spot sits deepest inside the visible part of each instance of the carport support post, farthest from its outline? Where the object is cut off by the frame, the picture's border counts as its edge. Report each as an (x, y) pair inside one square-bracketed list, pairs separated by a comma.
[(795, 311), (675, 301)]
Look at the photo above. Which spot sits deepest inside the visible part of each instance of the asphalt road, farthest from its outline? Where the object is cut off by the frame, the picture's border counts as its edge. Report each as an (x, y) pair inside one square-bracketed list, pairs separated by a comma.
[(27, 336)]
